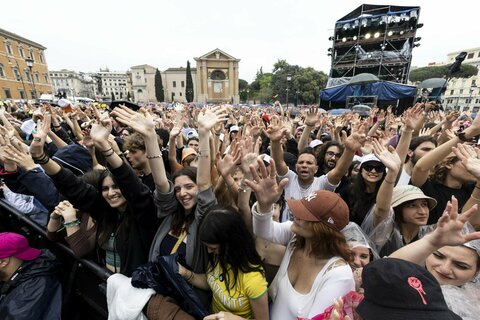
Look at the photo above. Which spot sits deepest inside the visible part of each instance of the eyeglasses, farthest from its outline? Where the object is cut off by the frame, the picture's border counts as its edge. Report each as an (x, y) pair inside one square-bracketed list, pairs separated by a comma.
[(377, 167), (330, 154)]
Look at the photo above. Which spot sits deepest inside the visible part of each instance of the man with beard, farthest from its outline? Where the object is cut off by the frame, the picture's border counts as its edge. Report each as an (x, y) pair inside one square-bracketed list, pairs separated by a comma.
[(328, 156), (28, 281), (303, 181), (419, 146)]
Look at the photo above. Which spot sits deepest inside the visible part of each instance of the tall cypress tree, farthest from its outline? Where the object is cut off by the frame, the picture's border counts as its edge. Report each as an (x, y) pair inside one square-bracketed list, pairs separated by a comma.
[(189, 85), (159, 87)]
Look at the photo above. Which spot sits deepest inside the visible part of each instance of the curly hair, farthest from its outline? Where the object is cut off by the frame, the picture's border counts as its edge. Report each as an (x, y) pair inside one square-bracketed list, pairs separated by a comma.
[(323, 151), (440, 171), (134, 141), (327, 243)]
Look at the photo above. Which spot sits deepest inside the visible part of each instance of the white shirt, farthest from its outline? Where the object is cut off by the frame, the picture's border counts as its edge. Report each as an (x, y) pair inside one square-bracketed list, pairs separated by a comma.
[(288, 304), (293, 190), (404, 178)]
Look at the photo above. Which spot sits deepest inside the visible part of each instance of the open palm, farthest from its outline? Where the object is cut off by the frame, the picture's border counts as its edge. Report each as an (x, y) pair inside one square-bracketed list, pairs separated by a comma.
[(208, 119), (389, 157)]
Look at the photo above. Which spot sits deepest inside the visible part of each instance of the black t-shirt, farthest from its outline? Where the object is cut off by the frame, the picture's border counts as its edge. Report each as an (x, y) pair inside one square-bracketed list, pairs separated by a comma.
[(443, 194)]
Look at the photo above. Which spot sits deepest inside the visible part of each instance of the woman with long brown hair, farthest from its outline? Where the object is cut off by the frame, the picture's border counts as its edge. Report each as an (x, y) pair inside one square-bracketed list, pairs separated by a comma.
[(314, 270)]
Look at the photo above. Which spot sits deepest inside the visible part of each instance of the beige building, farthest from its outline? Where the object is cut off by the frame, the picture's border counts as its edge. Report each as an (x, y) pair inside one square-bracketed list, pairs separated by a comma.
[(464, 93), (174, 81), (112, 82), (73, 84), (217, 78), (143, 83), (17, 80)]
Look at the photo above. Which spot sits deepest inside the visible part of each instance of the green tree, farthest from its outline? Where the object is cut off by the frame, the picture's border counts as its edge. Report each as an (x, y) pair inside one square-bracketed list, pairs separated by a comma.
[(281, 70), (189, 85), (308, 82), (242, 87), (420, 74), (159, 87)]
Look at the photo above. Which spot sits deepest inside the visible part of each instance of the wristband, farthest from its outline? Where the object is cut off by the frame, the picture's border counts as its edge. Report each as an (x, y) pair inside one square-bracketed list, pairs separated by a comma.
[(154, 156)]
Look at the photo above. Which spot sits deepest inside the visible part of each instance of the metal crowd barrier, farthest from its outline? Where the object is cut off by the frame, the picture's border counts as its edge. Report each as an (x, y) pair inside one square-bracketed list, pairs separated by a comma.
[(83, 281)]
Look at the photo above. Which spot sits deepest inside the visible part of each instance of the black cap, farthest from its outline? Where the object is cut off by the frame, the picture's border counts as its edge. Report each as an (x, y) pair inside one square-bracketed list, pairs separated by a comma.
[(396, 290), (128, 104)]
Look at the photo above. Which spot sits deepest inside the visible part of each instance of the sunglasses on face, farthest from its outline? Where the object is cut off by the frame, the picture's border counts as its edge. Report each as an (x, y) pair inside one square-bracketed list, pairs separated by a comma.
[(377, 167)]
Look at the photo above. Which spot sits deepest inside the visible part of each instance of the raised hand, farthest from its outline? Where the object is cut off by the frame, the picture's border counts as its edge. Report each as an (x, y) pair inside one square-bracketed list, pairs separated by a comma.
[(208, 119), (227, 164), (412, 116), (449, 231), (264, 184), (101, 129), (39, 137), (140, 122), (275, 130), (389, 157), (469, 157), (18, 155), (311, 117), (357, 139)]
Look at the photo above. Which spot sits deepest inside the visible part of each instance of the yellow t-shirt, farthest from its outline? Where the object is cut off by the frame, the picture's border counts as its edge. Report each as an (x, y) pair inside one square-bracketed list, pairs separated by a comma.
[(249, 286)]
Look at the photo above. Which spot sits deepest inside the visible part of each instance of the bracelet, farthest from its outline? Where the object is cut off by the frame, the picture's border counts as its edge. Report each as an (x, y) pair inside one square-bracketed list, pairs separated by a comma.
[(109, 154), (72, 223), (461, 136), (42, 159), (476, 199), (154, 156), (105, 151)]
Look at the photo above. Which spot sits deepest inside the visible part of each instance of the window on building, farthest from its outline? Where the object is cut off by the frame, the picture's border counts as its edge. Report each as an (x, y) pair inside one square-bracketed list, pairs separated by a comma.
[(2, 71), (474, 83), (477, 101), (8, 95), (478, 55), (451, 92), (174, 84), (22, 94), (31, 54), (27, 75), (46, 78), (17, 75), (32, 94), (465, 108), (470, 55), (40, 55), (183, 84), (468, 101), (8, 45), (180, 94), (37, 77), (22, 53)]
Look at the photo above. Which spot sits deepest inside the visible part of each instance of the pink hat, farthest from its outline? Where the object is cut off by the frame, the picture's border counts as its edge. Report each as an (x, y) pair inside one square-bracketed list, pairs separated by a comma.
[(16, 245)]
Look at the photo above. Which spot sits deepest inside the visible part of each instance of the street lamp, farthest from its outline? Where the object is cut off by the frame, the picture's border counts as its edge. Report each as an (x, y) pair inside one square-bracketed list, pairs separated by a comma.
[(288, 89), (29, 62), (248, 91), (296, 103)]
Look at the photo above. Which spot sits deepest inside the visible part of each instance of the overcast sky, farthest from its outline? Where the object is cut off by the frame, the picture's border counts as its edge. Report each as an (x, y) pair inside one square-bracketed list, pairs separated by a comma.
[(86, 35)]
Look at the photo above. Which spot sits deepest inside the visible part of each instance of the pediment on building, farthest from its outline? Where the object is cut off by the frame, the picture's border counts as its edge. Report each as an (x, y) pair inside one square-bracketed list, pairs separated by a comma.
[(216, 54)]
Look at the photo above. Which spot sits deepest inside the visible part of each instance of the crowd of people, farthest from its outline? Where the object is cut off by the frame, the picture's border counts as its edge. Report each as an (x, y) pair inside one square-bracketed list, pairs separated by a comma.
[(226, 212)]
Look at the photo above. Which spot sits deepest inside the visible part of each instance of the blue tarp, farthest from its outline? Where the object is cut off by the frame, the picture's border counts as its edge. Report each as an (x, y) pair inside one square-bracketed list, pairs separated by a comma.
[(384, 90)]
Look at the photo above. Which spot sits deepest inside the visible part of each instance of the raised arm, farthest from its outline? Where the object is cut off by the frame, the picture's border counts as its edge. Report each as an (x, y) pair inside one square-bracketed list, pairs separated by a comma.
[(392, 162), (412, 117), (144, 124), (311, 119), (275, 132), (427, 162), (206, 121), (447, 233), (354, 142)]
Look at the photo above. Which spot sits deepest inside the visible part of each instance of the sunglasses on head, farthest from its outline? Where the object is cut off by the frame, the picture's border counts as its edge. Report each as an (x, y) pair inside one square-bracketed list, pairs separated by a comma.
[(377, 166)]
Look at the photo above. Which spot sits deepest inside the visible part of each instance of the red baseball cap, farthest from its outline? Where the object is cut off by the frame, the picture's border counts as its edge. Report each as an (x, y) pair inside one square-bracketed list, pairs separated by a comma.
[(16, 245), (321, 206)]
